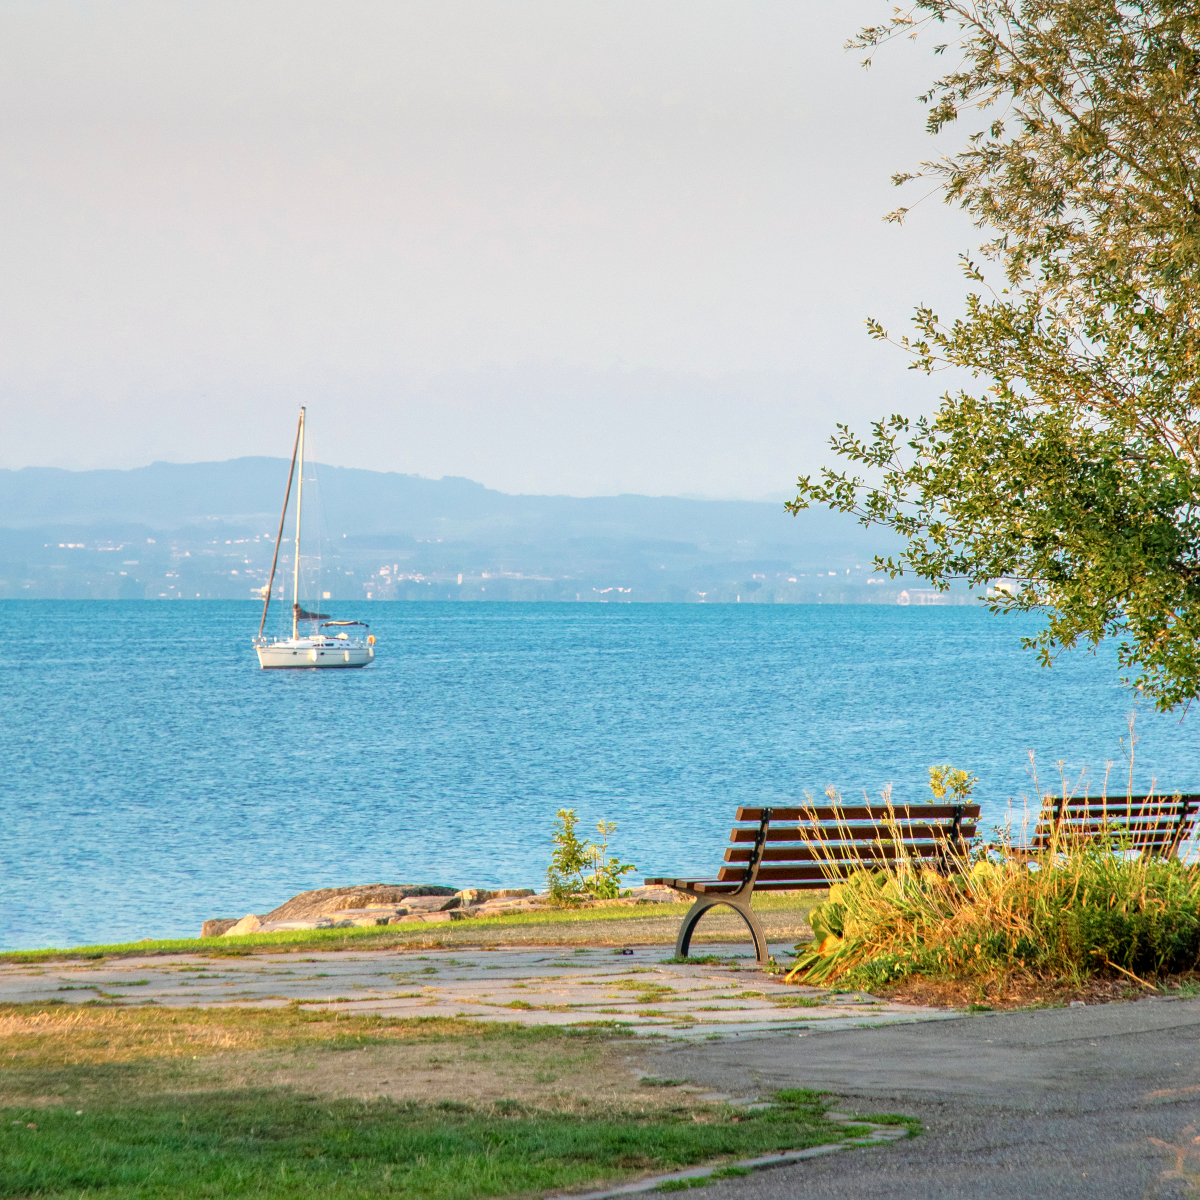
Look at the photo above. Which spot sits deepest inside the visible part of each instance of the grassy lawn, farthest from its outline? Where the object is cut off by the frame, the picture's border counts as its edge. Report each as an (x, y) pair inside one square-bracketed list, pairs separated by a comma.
[(277, 1143), (144, 1102), (783, 913)]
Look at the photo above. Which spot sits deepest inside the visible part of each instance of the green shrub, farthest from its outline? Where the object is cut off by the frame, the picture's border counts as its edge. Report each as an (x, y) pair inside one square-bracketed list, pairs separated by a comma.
[(1064, 914)]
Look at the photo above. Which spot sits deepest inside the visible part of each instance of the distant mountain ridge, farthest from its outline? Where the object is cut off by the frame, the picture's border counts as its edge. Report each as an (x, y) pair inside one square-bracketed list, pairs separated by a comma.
[(247, 491), (206, 530)]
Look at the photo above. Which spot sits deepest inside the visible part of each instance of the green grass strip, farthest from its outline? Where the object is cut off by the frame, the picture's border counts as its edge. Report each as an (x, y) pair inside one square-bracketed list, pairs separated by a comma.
[(374, 936), (270, 1144), (335, 939)]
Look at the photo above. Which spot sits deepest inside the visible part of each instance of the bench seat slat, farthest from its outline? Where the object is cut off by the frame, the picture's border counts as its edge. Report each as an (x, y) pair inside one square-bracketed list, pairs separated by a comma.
[(798, 877), (775, 874), (779, 874), (817, 883), (800, 885)]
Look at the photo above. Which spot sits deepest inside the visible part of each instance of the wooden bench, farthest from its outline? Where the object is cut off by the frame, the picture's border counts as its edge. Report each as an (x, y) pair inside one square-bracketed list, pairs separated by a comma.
[(1150, 825), (789, 849)]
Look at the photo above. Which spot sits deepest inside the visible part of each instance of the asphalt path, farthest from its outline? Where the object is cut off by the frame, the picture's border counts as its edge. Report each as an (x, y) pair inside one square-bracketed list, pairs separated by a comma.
[(1096, 1102)]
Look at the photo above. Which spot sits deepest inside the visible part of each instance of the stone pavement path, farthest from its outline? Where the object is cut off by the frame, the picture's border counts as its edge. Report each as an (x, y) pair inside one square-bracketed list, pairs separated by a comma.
[(544, 986), (1093, 1102)]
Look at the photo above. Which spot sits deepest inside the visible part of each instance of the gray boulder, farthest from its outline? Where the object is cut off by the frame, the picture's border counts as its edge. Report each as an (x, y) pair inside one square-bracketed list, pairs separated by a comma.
[(308, 906)]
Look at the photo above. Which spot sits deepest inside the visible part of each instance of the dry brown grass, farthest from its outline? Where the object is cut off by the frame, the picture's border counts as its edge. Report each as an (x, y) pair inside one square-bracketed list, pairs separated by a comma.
[(62, 1035), (61, 1055), (559, 1075), (1015, 991)]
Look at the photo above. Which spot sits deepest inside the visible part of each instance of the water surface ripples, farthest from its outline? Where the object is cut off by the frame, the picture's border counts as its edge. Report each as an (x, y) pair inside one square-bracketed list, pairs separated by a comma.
[(153, 776)]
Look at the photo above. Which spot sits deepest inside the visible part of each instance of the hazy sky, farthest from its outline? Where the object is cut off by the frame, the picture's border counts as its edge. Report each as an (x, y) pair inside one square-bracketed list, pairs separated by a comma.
[(553, 245)]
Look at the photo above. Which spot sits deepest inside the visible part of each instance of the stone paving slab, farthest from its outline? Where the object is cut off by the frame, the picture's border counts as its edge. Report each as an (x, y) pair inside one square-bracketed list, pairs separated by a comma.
[(541, 986)]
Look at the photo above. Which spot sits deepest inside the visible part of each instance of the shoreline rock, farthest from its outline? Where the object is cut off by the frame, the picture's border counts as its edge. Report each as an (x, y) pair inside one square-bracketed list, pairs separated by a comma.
[(250, 923), (403, 903), (308, 906)]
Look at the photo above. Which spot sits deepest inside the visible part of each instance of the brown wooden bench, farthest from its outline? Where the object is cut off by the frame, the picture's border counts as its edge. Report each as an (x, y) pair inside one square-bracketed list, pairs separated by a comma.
[(789, 849), (1157, 826)]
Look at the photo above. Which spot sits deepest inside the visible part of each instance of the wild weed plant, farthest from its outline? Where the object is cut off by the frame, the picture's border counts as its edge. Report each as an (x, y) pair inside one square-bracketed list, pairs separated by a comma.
[(1072, 909), (582, 869)]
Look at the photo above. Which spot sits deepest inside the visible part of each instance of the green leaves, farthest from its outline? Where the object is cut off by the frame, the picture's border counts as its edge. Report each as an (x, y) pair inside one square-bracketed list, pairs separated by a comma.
[(1076, 470), (942, 779), (572, 858)]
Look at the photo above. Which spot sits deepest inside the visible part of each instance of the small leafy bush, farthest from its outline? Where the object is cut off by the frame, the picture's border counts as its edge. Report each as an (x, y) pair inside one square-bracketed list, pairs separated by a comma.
[(582, 868), (946, 778)]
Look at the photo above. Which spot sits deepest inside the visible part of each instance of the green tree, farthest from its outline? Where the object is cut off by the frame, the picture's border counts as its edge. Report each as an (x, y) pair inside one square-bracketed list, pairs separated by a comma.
[(1076, 472)]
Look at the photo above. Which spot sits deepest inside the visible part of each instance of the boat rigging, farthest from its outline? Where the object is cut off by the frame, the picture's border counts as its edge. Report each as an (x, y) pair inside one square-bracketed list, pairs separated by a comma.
[(315, 648)]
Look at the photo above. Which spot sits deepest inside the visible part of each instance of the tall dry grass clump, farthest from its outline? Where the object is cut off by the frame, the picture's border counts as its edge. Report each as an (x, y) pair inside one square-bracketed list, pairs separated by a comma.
[(1072, 910)]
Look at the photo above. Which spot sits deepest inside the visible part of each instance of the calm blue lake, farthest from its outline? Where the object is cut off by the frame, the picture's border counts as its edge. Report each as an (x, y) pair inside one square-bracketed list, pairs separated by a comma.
[(152, 776)]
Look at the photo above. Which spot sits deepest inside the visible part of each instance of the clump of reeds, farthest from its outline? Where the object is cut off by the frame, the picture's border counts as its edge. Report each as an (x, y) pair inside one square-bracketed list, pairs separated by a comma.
[(1065, 912)]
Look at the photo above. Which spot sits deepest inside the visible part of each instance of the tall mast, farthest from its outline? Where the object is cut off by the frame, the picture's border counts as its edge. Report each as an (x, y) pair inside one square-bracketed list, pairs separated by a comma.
[(279, 536), (296, 565)]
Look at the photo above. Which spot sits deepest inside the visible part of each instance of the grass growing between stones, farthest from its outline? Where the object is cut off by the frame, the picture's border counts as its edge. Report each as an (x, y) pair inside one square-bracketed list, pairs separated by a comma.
[(1066, 917), (125, 1103)]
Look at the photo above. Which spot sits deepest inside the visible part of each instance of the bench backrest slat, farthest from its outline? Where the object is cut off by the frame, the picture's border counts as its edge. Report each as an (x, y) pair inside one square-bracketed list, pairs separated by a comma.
[(1116, 803), (1143, 823), (827, 813), (805, 847), (845, 852), (1133, 826), (851, 833)]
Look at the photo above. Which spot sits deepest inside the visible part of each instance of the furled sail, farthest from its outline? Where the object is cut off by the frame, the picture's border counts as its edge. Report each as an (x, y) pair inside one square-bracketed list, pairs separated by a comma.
[(300, 615)]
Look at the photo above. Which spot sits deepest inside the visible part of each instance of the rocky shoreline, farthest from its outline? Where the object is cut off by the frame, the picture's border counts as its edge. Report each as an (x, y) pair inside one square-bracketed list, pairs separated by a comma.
[(404, 903)]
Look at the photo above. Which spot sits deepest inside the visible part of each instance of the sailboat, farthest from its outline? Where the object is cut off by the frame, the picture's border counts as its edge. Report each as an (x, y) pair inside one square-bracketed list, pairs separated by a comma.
[(315, 648)]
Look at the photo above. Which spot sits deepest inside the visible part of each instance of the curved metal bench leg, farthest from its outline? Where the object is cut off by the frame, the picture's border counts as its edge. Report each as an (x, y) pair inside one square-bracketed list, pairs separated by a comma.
[(702, 905), (756, 930)]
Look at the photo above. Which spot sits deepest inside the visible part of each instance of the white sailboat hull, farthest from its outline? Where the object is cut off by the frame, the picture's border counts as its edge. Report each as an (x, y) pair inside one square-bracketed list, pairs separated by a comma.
[(306, 653)]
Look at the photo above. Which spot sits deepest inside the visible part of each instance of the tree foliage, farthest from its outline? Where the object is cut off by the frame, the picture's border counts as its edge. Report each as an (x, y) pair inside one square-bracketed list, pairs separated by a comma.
[(1077, 470)]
